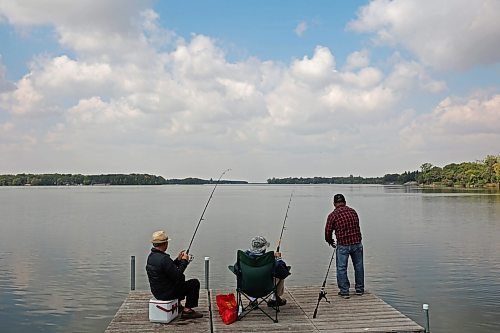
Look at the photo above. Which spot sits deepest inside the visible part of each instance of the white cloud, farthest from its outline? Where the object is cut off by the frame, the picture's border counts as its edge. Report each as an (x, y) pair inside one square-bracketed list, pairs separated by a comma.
[(25, 99), (89, 13), (95, 111), (301, 28), (320, 68), (357, 59), (454, 34), (365, 77), (457, 123), (408, 75)]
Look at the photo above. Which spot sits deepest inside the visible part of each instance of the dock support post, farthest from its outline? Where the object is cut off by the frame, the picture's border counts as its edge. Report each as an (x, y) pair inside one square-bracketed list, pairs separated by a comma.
[(207, 262), (132, 273), (427, 325)]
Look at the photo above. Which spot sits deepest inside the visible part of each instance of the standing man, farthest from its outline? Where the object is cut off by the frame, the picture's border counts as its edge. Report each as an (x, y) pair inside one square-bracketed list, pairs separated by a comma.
[(345, 222), (166, 276)]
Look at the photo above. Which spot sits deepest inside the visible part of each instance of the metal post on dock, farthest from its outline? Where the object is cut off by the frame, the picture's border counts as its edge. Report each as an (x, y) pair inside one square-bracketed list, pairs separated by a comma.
[(427, 325), (132, 273), (207, 264)]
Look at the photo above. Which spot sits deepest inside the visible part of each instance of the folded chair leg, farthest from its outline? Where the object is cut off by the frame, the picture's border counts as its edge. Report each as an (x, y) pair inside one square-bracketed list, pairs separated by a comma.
[(246, 310), (238, 305)]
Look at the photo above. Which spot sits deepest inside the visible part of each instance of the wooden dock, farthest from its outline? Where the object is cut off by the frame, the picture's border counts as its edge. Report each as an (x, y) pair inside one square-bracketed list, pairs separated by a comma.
[(366, 313)]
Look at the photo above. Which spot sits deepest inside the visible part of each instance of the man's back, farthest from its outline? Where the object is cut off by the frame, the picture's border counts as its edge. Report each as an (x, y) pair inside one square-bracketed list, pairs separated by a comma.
[(163, 274), (345, 222)]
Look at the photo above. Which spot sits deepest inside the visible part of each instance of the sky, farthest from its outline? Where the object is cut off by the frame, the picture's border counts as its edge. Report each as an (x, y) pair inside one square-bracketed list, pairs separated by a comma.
[(266, 88)]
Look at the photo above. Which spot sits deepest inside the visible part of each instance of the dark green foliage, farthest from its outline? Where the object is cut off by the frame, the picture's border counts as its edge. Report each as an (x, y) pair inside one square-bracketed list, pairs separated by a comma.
[(56, 179), (465, 174), (198, 181), (326, 180), (387, 179)]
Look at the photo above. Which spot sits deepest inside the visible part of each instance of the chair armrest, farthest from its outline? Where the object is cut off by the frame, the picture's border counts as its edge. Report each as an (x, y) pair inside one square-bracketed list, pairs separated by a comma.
[(232, 269)]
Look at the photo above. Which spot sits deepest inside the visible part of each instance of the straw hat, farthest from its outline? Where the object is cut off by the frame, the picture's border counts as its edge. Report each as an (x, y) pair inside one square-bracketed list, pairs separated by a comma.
[(159, 237)]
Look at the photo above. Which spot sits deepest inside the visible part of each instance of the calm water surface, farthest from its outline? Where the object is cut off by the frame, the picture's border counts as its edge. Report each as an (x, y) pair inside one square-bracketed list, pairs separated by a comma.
[(65, 251)]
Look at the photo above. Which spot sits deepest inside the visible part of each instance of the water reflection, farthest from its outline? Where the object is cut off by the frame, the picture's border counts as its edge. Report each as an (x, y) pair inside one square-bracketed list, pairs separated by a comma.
[(64, 252)]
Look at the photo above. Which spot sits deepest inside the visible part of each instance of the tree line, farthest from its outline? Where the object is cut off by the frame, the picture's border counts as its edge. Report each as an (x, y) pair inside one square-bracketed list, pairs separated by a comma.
[(466, 174), (56, 179), (394, 178), (481, 173)]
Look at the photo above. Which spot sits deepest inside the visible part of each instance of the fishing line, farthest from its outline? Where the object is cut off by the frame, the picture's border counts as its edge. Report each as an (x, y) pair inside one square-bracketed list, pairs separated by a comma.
[(203, 213), (284, 221)]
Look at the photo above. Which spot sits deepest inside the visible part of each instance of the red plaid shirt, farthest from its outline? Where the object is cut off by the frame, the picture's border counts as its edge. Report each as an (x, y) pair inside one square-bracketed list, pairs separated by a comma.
[(344, 220)]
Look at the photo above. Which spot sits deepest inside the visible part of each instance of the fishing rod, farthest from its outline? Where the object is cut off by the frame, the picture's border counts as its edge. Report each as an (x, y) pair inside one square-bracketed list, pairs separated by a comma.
[(322, 293), (284, 221), (202, 214)]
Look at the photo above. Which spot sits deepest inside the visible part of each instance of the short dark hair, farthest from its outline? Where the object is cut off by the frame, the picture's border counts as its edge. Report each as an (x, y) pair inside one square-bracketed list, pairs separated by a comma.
[(338, 198)]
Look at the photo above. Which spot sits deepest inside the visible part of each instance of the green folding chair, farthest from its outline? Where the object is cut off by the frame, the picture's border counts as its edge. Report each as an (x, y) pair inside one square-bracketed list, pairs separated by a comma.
[(254, 278)]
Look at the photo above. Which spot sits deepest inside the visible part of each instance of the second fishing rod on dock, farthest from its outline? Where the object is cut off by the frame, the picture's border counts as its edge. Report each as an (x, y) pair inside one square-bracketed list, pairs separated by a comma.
[(284, 222)]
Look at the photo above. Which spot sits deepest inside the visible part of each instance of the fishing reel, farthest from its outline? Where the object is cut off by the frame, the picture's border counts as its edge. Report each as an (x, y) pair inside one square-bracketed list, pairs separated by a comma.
[(190, 257)]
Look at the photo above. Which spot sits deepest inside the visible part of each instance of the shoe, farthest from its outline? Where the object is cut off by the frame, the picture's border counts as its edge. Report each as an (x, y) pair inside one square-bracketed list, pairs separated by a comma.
[(191, 315), (278, 302), (359, 292), (344, 296)]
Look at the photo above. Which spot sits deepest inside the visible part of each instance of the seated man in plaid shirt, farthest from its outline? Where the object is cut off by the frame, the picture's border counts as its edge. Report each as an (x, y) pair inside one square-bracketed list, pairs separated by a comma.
[(345, 222)]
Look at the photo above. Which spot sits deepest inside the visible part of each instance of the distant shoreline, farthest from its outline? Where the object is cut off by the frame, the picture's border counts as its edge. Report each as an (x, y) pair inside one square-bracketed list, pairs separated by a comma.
[(56, 179), (483, 174)]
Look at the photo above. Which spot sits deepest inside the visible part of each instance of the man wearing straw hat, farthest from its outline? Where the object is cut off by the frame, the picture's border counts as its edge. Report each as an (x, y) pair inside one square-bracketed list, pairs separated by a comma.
[(166, 276)]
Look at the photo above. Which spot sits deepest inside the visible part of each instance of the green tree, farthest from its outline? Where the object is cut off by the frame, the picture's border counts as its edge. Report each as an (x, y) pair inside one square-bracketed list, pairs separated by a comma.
[(490, 173)]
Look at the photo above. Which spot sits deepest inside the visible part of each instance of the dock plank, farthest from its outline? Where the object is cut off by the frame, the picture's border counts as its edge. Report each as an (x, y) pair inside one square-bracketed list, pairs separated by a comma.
[(366, 313)]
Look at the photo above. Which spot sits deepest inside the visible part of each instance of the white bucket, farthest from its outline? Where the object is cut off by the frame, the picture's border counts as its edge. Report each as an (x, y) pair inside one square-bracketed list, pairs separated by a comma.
[(163, 311)]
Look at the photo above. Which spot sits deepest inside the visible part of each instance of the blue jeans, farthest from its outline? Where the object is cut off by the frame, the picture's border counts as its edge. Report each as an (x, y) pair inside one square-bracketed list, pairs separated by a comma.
[(356, 253)]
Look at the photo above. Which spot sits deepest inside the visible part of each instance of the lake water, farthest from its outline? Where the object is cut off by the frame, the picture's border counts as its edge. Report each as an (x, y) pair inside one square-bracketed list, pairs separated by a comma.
[(65, 251)]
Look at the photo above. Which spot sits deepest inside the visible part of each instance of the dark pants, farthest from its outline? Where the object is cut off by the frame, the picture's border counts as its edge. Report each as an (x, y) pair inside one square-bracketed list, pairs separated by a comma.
[(189, 290)]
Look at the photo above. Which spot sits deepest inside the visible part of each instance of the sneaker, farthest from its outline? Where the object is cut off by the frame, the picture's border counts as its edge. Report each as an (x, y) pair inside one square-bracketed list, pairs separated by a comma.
[(191, 314), (359, 292), (278, 302), (344, 296)]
